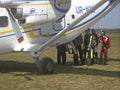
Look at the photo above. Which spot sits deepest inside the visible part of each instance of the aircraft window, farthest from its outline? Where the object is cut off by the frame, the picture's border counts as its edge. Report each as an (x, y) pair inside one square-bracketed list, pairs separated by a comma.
[(73, 16), (3, 21)]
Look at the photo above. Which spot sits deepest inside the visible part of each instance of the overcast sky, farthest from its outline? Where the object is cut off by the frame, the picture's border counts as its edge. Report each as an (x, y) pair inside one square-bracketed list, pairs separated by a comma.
[(111, 20)]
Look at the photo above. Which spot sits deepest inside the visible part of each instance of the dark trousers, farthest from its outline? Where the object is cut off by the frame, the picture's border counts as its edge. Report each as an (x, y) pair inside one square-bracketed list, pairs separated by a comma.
[(103, 56), (81, 54), (95, 57), (76, 61), (61, 57), (88, 56)]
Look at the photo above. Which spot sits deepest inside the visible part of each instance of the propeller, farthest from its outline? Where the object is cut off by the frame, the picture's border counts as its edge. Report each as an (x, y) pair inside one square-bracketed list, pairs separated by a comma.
[(16, 28)]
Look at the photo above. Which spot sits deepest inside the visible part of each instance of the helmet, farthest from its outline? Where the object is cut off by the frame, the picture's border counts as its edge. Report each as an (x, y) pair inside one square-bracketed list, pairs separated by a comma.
[(93, 31), (87, 31), (103, 33)]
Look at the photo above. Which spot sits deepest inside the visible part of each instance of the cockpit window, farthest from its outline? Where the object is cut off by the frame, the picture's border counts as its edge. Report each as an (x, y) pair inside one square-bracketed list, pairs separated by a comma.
[(3, 21)]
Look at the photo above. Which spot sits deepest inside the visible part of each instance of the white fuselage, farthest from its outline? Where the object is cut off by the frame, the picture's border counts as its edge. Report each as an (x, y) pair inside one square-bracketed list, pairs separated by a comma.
[(36, 35)]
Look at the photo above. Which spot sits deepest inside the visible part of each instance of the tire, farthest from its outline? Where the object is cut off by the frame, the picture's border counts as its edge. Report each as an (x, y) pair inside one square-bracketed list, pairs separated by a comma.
[(46, 66)]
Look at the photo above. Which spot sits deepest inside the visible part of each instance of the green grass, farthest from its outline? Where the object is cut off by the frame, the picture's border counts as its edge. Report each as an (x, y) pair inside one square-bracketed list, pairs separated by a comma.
[(18, 72)]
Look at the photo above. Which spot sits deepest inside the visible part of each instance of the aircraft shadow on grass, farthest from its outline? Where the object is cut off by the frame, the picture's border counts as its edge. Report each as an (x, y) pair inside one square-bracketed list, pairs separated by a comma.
[(31, 69), (111, 59)]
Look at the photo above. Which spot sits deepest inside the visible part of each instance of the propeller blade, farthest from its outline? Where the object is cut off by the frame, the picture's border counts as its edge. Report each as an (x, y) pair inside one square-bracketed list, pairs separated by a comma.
[(16, 28)]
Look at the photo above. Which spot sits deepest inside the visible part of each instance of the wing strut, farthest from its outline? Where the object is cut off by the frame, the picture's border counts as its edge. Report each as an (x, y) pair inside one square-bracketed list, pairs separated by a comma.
[(45, 45), (16, 28)]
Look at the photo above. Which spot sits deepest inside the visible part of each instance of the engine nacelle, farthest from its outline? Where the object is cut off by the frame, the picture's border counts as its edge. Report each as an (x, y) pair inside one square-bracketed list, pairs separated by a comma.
[(5, 3), (37, 12)]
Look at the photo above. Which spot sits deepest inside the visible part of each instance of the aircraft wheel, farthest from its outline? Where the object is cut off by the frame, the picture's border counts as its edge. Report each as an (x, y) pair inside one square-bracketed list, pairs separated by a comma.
[(46, 66)]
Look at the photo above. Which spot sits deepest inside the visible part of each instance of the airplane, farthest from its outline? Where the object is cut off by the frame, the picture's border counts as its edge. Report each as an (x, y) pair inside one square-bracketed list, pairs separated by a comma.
[(34, 26)]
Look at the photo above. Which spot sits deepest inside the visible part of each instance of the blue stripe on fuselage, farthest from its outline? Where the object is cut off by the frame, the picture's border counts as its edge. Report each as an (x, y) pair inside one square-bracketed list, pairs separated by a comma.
[(75, 27), (93, 17)]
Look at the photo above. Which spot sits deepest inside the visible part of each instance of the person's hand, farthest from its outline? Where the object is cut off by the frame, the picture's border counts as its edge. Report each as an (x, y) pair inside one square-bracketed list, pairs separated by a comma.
[(88, 49), (104, 48)]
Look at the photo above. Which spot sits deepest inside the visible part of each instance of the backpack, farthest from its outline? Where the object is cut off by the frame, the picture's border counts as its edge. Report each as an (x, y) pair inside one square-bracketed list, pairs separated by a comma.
[(106, 41)]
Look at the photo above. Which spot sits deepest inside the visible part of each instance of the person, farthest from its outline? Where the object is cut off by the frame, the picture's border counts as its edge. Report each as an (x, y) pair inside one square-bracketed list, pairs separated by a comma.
[(78, 46), (61, 54), (88, 52), (75, 54), (95, 45), (105, 40)]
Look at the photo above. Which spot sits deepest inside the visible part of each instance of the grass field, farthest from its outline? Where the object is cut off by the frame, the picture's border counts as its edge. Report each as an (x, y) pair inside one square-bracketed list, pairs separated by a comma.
[(18, 72)]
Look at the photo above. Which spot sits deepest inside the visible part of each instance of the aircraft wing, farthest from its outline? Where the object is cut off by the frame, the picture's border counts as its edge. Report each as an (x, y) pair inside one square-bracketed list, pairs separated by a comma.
[(45, 45)]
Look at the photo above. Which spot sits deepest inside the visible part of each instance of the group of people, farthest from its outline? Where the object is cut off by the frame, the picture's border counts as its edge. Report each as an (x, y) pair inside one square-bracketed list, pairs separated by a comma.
[(85, 49)]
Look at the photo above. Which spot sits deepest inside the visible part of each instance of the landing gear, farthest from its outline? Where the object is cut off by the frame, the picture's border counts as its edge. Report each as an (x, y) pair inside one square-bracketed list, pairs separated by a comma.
[(45, 66)]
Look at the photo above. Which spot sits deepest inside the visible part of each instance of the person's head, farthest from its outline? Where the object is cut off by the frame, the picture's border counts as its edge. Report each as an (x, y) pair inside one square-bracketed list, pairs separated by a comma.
[(87, 31), (93, 31), (103, 33), (101, 30)]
